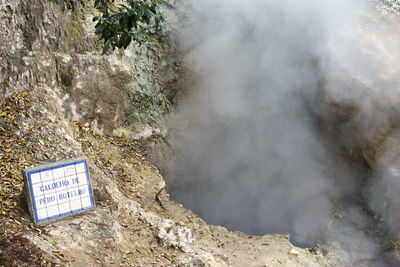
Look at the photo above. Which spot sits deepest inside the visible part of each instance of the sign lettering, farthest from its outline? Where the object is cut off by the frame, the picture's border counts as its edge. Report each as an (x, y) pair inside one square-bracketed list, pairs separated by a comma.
[(58, 189)]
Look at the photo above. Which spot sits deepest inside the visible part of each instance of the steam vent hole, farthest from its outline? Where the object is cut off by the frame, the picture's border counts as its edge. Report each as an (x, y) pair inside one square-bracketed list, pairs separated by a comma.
[(290, 124)]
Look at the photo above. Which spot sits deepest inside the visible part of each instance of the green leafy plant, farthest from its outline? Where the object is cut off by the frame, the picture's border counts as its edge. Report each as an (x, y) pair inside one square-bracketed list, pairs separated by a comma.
[(120, 24)]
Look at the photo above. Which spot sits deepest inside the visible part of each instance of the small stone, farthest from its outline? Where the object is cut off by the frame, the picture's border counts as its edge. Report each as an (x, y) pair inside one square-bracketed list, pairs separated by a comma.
[(294, 252)]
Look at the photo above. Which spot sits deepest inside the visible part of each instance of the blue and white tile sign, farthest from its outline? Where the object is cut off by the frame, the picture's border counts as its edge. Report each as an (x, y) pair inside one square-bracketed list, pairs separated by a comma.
[(58, 189)]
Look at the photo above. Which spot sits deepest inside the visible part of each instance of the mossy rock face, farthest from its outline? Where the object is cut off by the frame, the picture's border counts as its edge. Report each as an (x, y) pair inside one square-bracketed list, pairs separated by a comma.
[(150, 108), (56, 23), (67, 76), (53, 42), (74, 31), (32, 12)]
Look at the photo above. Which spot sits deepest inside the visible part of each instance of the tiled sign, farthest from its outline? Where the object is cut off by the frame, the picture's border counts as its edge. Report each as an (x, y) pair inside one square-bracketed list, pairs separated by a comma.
[(58, 189)]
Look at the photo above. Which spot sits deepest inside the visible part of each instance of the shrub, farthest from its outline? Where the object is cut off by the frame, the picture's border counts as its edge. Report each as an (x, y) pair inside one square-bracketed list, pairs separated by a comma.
[(120, 24)]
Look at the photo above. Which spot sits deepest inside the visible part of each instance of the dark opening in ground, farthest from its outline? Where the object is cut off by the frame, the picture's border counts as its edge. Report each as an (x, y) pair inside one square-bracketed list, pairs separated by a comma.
[(290, 122)]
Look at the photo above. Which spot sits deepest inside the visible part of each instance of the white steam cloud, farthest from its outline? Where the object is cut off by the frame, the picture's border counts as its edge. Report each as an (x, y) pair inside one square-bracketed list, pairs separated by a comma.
[(252, 156)]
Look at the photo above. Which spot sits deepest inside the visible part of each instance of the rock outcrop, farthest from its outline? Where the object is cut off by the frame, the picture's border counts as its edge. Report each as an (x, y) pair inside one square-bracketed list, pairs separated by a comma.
[(134, 223), (60, 99), (53, 43)]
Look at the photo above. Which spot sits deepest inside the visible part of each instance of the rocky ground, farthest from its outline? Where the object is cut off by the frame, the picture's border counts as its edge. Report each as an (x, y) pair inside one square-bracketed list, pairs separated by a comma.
[(134, 224), (60, 99)]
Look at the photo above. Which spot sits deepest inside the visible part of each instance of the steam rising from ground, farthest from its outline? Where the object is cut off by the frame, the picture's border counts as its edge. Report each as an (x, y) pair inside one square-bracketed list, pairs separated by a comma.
[(252, 157)]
